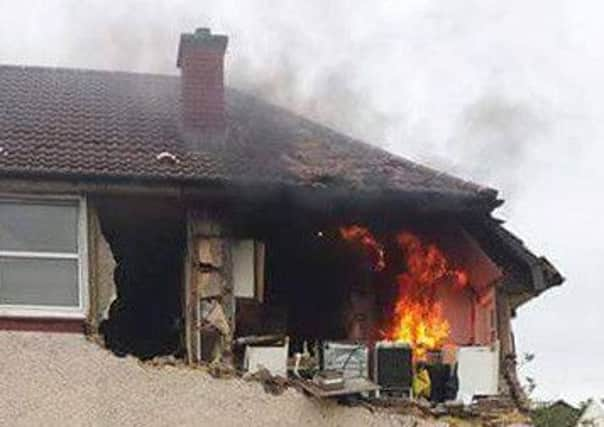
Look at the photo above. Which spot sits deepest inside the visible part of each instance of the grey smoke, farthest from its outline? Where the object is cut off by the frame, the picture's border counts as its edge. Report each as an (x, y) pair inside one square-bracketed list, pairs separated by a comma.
[(506, 93), (330, 97), (494, 137)]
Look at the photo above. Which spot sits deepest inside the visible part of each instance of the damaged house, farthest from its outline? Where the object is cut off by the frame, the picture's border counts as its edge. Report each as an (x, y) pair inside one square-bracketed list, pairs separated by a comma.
[(174, 215)]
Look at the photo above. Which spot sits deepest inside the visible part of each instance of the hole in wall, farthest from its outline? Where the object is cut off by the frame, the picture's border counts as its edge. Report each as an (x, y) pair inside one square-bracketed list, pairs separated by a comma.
[(147, 239)]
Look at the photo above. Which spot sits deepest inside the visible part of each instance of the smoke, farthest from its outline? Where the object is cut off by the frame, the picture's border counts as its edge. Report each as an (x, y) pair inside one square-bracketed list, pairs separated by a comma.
[(499, 92), (329, 96), (495, 137), (365, 75)]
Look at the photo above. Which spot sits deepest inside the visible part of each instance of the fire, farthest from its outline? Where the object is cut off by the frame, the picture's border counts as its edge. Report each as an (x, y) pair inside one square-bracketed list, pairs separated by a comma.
[(418, 318), (419, 324), (355, 233)]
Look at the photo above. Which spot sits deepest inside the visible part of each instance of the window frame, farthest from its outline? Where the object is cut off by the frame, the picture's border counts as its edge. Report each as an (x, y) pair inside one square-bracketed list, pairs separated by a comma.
[(48, 311)]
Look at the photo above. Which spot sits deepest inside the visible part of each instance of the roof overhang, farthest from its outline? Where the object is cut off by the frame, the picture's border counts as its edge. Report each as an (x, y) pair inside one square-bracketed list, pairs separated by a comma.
[(527, 275)]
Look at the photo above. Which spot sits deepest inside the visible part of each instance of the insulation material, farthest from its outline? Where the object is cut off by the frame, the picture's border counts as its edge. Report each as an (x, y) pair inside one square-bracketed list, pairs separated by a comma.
[(478, 371), (101, 266), (210, 251), (211, 284), (213, 313)]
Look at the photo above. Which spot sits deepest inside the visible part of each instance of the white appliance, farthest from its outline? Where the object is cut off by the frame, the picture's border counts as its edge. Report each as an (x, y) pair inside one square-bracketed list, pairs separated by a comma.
[(352, 359), (272, 358), (478, 371)]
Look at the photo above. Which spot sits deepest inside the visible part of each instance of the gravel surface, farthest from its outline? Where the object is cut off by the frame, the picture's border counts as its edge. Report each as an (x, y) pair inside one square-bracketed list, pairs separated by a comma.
[(64, 380)]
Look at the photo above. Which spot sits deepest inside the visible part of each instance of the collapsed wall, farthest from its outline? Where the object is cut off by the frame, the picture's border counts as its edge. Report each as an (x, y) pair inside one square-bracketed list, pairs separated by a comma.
[(147, 244)]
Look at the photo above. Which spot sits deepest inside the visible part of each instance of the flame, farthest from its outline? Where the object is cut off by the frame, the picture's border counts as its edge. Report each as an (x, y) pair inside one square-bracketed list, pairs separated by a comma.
[(418, 319), (363, 236), (419, 324)]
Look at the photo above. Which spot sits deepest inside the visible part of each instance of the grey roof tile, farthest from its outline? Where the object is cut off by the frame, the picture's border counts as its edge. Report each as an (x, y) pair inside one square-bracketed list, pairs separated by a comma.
[(98, 124)]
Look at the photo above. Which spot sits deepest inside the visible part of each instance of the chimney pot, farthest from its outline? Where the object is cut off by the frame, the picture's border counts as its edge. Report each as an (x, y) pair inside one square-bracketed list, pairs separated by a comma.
[(203, 32)]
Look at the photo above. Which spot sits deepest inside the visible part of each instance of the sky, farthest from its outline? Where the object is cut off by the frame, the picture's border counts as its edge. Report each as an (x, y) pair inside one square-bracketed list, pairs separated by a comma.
[(509, 94)]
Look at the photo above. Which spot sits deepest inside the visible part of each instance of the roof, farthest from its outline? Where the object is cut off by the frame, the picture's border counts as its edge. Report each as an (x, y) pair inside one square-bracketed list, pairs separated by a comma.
[(526, 274), (113, 125), (592, 416)]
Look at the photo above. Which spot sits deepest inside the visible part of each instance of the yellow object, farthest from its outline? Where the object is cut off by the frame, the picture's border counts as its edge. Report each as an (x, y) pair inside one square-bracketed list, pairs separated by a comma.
[(422, 386)]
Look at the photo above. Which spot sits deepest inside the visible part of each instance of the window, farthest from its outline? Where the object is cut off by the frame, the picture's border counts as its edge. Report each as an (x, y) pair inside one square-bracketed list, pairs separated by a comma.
[(42, 257)]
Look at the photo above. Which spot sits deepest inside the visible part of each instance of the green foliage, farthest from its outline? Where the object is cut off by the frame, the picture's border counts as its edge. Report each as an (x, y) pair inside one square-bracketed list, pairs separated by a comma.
[(558, 414)]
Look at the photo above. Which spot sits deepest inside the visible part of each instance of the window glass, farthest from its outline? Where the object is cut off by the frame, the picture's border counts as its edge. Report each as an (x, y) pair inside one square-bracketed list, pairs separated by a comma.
[(38, 227), (39, 281)]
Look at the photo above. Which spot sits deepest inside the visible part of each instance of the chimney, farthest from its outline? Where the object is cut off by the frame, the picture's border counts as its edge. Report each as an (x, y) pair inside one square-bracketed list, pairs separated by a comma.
[(201, 61)]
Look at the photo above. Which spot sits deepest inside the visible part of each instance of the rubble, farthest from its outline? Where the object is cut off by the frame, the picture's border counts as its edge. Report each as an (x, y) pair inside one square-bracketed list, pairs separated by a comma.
[(218, 369), (488, 412), (272, 384), (110, 394), (169, 360)]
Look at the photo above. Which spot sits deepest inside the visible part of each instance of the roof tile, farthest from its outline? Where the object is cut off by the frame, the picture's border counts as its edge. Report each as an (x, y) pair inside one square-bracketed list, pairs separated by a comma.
[(113, 124)]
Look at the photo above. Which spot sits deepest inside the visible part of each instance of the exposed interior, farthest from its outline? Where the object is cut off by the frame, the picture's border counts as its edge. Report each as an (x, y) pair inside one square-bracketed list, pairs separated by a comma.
[(425, 284), (147, 239), (323, 285)]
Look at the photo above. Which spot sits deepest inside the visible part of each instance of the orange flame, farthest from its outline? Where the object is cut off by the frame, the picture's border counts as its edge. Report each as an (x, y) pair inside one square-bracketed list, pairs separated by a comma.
[(361, 235), (418, 318)]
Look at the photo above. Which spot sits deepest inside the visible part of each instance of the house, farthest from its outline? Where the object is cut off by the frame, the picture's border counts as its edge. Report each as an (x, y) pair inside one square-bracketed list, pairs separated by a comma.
[(172, 214), (592, 416)]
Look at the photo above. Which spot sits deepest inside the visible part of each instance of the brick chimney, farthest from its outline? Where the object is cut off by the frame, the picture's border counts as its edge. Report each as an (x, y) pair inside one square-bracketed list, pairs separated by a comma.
[(201, 63)]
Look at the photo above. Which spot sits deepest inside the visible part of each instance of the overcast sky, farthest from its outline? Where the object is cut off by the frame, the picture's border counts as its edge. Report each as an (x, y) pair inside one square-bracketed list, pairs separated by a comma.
[(510, 94)]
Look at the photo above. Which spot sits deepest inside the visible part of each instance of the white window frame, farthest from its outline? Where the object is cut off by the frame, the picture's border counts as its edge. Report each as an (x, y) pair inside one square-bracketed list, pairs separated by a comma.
[(45, 311)]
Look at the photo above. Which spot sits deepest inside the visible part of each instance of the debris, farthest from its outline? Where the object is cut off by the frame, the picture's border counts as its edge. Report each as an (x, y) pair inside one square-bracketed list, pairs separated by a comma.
[(404, 405), (509, 367), (221, 370), (273, 358), (423, 403), (456, 408), (259, 339), (440, 410), (169, 360), (329, 380), (273, 384), (351, 386), (215, 316)]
